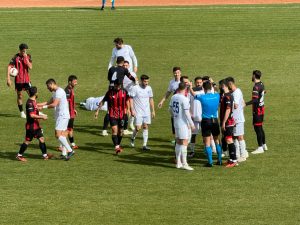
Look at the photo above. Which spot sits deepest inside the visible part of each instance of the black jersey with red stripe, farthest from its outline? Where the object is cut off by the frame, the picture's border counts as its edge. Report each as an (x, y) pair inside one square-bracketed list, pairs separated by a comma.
[(227, 103), (18, 62), (31, 109), (118, 72), (71, 100), (258, 95), (116, 102)]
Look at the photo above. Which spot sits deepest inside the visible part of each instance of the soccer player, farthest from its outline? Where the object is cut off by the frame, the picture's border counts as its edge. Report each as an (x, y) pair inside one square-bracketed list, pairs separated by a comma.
[(227, 122), (60, 103), (72, 82), (180, 110), (258, 109), (173, 86), (112, 4), (127, 52), (23, 63), (196, 113), (117, 101), (209, 124), (238, 115), (128, 85), (141, 100), (92, 104), (33, 129)]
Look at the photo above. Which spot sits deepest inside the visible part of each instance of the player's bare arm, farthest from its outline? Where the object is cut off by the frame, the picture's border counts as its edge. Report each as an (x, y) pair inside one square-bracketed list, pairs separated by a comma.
[(8, 80), (226, 116), (152, 107), (26, 60), (160, 104), (43, 117), (97, 111)]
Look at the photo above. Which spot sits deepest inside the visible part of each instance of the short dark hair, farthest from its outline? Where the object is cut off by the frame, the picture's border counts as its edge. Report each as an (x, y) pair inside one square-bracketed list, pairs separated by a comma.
[(207, 86), (197, 78), (221, 82), (71, 78), (32, 91), (120, 59), (181, 86), (183, 77), (144, 77), (50, 81), (205, 78), (230, 79), (118, 40), (125, 61), (23, 46), (176, 68), (257, 74)]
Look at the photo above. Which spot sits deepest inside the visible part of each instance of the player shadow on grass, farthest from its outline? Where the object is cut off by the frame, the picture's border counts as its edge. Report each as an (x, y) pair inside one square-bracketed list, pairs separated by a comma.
[(12, 155), (8, 115), (94, 130)]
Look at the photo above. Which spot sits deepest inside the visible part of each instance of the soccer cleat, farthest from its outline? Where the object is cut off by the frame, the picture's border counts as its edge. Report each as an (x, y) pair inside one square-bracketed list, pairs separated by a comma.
[(218, 163), (118, 150), (21, 158), (113, 8), (187, 167), (23, 115), (231, 164), (132, 142), (259, 150), (48, 156), (104, 133), (265, 147), (74, 146), (127, 132), (225, 154), (208, 165), (70, 154), (178, 165), (102, 8), (191, 155), (146, 148), (241, 159)]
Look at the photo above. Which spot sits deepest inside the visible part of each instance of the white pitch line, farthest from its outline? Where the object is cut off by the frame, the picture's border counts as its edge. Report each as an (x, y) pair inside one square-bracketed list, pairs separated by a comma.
[(203, 7)]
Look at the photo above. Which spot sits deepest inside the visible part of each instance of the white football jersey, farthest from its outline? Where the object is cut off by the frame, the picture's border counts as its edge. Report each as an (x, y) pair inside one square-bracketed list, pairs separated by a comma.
[(238, 113), (173, 86), (128, 84), (141, 97), (62, 109), (178, 104), (92, 104), (127, 52), (196, 107)]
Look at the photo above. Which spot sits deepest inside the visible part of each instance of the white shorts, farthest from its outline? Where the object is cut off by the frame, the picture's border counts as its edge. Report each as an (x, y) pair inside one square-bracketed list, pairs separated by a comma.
[(140, 120), (61, 123), (238, 130), (183, 133), (197, 127)]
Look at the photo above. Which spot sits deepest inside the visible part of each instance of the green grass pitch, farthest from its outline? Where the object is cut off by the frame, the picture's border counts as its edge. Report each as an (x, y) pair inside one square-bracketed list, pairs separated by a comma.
[(96, 187)]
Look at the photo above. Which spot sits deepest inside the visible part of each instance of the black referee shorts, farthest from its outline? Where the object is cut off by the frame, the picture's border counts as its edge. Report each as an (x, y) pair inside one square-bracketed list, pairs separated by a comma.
[(210, 127)]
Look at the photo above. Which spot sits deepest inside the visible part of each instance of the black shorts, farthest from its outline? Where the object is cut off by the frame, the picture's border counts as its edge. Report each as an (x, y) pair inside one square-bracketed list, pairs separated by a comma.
[(22, 86), (210, 127), (117, 122), (228, 133), (30, 134), (258, 120), (71, 124)]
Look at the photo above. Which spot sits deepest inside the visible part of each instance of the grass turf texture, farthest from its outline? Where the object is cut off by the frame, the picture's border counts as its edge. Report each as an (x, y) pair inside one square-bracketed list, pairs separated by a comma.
[(96, 187)]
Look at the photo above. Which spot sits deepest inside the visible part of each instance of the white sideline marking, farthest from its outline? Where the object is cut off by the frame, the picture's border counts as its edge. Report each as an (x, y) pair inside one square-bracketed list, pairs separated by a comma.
[(203, 7)]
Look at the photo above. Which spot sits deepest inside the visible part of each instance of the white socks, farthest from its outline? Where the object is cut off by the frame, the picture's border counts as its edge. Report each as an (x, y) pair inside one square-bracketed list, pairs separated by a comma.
[(237, 147), (64, 142), (243, 148), (145, 137), (183, 149), (178, 155)]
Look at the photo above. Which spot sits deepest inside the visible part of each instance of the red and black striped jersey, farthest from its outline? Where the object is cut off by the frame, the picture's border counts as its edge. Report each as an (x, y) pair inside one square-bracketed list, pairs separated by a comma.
[(116, 102), (258, 95), (227, 103), (31, 109), (18, 62), (71, 100)]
